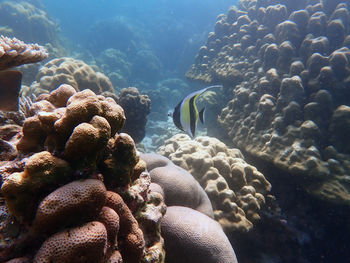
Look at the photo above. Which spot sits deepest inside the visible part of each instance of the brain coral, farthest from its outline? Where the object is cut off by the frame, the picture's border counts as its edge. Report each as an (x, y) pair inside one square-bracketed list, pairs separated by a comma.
[(236, 189), (61, 186), (73, 72), (290, 106)]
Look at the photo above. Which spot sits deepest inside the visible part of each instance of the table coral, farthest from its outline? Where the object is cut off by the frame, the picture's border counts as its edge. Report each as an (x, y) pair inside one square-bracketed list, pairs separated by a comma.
[(236, 189), (293, 58), (14, 52), (70, 71)]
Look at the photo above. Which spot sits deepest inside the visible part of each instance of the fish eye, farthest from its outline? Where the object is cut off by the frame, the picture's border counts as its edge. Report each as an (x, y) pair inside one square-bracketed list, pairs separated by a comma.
[(170, 113)]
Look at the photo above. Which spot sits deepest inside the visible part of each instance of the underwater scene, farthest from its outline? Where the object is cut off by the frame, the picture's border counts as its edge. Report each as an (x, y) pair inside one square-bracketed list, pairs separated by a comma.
[(159, 131)]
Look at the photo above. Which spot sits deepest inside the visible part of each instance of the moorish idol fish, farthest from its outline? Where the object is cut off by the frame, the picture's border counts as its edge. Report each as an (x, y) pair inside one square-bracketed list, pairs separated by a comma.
[(10, 85), (185, 114)]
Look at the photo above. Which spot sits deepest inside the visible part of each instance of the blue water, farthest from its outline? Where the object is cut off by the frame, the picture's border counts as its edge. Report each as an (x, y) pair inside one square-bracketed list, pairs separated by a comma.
[(174, 30)]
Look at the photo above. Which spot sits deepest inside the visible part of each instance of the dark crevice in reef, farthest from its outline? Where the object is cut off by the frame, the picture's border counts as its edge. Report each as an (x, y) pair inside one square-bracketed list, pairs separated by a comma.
[(304, 229)]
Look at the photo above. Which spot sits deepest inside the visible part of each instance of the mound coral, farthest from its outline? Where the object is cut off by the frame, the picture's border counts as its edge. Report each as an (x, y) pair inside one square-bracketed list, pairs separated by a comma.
[(70, 71), (190, 233), (288, 67), (136, 107), (61, 186), (236, 189)]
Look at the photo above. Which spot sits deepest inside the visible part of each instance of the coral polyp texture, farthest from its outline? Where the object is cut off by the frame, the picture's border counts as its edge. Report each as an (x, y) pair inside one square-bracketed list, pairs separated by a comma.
[(70, 71), (287, 65), (75, 188), (14, 52), (237, 190)]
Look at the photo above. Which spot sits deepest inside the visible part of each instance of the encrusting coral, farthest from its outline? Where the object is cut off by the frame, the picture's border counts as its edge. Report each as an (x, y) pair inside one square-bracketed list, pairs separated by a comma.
[(61, 186), (237, 190), (287, 66)]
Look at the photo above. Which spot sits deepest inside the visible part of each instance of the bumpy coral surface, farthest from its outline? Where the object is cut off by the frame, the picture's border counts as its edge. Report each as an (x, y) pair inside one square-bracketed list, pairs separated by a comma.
[(288, 67), (73, 72), (61, 185), (14, 52), (136, 107), (236, 189)]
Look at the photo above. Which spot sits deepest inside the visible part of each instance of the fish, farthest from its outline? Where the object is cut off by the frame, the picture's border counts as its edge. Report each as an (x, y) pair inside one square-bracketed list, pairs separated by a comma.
[(185, 115), (10, 85)]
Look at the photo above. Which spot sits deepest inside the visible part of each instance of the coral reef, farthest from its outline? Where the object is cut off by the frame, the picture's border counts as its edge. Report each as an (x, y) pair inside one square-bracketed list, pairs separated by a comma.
[(136, 107), (31, 24), (287, 66), (236, 189), (185, 239), (61, 186), (115, 64), (178, 187), (73, 72), (206, 242), (146, 65), (14, 52)]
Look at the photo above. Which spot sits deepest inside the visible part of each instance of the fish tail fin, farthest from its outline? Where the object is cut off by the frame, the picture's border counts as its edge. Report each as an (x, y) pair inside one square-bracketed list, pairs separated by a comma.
[(201, 115)]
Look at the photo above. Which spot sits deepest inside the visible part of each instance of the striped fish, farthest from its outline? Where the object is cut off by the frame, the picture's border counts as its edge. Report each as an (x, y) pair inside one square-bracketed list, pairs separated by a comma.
[(186, 115)]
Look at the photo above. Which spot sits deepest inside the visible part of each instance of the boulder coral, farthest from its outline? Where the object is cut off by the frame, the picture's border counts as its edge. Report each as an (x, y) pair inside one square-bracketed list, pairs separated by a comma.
[(177, 186), (189, 230), (70, 71), (206, 242), (237, 190), (291, 89), (137, 108), (75, 188)]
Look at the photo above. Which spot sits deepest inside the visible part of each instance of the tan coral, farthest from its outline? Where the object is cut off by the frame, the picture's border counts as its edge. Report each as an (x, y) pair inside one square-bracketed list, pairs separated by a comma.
[(295, 69), (236, 189), (52, 125), (86, 243), (130, 235), (73, 72), (42, 171), (70, 204)]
